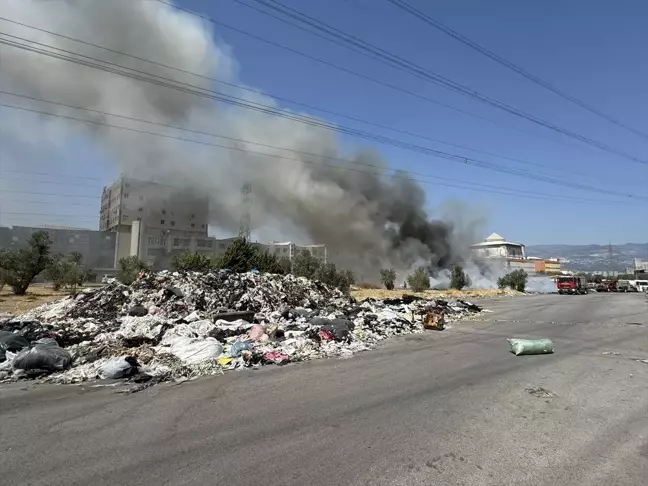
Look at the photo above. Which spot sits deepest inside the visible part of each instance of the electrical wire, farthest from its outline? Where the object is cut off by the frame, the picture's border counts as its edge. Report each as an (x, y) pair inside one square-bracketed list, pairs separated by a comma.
[(369, 50), (512, 66), (286, 100), (500, 190), (287, 49), (202, 92)]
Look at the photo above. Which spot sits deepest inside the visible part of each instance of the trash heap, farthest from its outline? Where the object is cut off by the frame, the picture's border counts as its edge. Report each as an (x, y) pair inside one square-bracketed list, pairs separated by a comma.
[(183, 325)]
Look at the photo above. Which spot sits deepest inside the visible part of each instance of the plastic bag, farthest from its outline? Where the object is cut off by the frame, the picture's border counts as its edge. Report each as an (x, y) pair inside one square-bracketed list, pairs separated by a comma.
[(44, 354), (238, 347), (531, 346), (11, 342), (121, 367), (193, 350)]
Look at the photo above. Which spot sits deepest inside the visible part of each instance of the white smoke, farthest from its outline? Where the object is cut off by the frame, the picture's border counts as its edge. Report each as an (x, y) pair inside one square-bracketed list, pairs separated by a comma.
[(368, 221)]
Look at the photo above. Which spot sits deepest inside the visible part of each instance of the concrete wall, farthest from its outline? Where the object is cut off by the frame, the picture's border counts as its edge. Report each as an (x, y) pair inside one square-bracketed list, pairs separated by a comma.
[(97, 247)]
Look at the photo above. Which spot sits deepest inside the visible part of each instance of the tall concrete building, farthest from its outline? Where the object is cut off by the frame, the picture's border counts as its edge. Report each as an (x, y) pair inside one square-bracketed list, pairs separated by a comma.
[(148, 214)]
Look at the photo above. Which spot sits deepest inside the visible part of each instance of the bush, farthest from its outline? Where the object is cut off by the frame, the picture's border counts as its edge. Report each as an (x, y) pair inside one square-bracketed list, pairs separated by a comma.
[(458, 278), (515, 280), (388, 277), (328, 273), (419, 280), (305, 265), (242, 256), (129, 269), (70, 273), (367, 285), (191, 262), (22, 265)]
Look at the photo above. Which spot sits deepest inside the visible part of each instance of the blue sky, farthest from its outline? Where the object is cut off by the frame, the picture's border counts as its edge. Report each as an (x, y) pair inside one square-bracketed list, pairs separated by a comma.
[(593, 50)]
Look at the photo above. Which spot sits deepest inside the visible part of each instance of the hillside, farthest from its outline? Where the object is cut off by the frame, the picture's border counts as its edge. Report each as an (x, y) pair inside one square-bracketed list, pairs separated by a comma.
[(592, 257)]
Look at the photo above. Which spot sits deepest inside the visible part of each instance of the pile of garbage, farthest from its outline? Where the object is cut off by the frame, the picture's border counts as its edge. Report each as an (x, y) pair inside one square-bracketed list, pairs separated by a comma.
[(183, 325)]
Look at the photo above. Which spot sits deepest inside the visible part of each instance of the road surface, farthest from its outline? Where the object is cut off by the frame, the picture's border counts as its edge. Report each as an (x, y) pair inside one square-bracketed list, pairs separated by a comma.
[(440, 408)]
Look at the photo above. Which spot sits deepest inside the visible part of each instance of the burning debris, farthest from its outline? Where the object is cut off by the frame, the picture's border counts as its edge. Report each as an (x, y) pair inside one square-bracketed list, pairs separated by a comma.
[(185, 325)]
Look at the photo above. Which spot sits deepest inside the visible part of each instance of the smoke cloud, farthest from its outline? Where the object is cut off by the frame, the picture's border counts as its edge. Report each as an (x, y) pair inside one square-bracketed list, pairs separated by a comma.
[(368, 221)]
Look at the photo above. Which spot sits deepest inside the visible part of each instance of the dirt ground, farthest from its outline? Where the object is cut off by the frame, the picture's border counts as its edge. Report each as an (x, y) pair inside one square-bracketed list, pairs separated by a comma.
[(19, 304), (362, 294)]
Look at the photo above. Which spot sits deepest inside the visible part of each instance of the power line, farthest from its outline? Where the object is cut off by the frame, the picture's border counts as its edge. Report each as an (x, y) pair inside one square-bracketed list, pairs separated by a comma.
[(81, 216), (58, 183), (31, 201), (67, 176), (287, 49), (514, 67), (527, 194), (12, 191), (369, 50), (202, 92), (286, 100), (176, 127)]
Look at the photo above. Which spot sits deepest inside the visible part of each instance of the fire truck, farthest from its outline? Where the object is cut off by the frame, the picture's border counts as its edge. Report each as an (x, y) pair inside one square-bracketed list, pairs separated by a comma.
[(571, 285)]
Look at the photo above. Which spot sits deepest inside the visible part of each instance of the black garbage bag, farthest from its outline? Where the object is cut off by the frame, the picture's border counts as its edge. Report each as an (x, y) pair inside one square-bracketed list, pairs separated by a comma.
[(44, 354), (340, 328), (11, 342)]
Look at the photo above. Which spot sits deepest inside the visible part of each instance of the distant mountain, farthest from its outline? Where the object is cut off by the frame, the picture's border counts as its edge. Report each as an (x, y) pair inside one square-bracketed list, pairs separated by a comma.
[(592, 257)]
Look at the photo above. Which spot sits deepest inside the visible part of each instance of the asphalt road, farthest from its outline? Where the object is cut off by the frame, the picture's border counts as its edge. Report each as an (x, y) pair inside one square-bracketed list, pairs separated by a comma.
[(445, 407)]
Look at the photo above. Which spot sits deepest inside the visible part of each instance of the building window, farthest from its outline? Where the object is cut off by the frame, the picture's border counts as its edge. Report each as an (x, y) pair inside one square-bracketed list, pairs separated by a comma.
[(140, 210), (172, 223), (139, 219), (164, 211), (285, 250), (193, 216), (221, 246), (161, 221), (192, 225), (176, 241), (209, 243), (202, 226), (126, 195)]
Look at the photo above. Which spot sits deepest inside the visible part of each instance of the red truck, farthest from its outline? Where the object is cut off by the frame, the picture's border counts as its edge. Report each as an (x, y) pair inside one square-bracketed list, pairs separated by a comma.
[(572, 285)]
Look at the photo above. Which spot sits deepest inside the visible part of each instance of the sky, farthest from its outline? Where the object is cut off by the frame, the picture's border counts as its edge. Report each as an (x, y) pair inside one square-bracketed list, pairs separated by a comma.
[(595, 51)]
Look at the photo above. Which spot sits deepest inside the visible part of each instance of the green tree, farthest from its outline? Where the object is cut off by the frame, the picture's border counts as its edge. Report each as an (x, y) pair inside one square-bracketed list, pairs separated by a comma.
[(129, 269), (458, 278), (388, 278), (305, 265), (68, 273), (191, 262), (240, 256), (22, 265), (329, 274), (515, 280), (419, 280)]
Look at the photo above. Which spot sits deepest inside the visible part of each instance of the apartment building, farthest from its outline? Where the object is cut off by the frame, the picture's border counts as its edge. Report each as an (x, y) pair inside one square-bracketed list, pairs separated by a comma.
[(163, 214)]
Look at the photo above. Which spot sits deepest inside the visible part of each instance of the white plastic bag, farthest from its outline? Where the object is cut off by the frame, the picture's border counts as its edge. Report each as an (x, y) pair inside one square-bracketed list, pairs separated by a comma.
[(195, 350)]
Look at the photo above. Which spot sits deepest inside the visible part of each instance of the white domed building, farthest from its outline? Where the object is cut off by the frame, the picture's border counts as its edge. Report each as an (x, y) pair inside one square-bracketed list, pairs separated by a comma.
[(496, 246)]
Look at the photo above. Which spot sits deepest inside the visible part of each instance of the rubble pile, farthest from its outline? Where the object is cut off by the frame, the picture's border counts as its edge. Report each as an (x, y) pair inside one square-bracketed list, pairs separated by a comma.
[(184, 325)]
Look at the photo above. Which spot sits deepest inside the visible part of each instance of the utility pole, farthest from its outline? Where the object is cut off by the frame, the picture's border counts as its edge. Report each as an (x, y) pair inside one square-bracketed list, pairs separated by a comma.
[(246, 206)]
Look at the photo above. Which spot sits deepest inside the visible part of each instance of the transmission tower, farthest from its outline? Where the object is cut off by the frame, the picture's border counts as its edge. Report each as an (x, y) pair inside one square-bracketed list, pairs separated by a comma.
[(246, 206)]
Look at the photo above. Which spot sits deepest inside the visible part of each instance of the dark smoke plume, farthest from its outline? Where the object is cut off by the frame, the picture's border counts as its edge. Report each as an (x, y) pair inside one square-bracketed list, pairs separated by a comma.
[(367, 220)]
